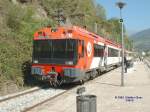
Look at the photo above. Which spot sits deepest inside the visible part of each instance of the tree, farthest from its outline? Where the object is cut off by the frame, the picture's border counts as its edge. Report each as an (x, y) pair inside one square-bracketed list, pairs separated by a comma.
[(100, 12)]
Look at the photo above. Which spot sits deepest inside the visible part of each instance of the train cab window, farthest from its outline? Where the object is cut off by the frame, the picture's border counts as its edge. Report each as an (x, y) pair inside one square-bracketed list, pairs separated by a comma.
[(98, 50)]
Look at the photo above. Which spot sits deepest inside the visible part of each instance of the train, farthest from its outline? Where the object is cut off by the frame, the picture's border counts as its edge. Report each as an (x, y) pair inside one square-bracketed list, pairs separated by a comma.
[(72, 54)]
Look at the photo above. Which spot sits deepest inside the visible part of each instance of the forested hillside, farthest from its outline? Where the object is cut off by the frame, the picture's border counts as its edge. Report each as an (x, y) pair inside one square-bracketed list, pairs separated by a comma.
[(19, 19), (142, 40)]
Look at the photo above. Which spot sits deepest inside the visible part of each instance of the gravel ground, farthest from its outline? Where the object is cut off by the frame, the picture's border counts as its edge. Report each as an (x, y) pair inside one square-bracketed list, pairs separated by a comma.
[(20, 103), (17, 93), (111, 97)]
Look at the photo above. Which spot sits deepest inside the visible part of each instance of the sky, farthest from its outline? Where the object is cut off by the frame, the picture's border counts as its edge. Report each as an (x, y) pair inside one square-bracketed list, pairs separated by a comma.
[(136, 13)]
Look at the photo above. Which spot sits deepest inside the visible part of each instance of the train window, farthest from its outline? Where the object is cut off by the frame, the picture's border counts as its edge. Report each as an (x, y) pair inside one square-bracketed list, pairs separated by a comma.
[(58, 49), (81, 42), (98, 50), (113, 52)]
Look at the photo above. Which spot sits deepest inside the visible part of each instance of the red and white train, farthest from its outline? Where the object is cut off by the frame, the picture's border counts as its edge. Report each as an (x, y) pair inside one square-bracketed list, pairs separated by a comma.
[(72, 54)]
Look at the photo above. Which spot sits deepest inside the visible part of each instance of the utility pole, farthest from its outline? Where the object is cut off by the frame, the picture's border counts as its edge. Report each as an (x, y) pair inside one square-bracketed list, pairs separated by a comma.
[(95, 27), (59, 16), (61, 19)]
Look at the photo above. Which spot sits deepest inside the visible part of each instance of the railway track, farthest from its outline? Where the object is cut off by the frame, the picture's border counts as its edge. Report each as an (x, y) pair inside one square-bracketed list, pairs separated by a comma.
[(26, 101), (9, 97), (51, 98)]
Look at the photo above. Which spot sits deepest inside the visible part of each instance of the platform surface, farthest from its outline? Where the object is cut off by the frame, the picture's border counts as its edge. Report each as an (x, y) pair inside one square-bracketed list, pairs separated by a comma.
[(111, 97)]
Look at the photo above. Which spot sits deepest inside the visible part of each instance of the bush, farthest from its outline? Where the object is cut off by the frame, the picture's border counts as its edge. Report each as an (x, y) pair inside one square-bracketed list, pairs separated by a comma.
[(16, 40)]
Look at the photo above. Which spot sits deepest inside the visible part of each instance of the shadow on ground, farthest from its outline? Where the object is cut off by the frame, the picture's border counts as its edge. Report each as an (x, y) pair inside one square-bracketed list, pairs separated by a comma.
[(109, 84)]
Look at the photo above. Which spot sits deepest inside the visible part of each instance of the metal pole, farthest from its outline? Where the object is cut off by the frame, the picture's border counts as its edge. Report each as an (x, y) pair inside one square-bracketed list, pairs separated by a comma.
[(122, 37), (121, 5), (95, 27)]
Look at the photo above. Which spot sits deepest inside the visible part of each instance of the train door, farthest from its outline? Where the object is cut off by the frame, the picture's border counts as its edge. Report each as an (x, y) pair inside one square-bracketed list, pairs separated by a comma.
[(105, 56), (81, 54), (98, 56)]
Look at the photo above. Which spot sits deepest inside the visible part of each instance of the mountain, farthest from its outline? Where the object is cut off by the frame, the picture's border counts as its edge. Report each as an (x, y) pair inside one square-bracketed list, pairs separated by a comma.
[(142, 40)]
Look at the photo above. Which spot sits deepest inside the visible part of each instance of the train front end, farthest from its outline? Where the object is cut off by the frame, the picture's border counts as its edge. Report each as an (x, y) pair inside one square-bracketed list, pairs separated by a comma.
[(56, 57)]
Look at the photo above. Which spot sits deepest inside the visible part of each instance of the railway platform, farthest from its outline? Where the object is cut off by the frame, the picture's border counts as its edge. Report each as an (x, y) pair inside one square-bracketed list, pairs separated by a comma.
[(111, 97)]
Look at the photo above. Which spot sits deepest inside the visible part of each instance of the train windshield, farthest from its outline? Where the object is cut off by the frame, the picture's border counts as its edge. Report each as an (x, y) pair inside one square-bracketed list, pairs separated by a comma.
[(60, 51)]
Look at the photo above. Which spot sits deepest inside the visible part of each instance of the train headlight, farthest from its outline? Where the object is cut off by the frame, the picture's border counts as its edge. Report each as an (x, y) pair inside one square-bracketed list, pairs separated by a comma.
[(35, 61), (69, 62)]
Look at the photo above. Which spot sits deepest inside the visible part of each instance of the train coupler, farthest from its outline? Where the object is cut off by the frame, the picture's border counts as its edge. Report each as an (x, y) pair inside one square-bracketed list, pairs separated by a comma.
[(54, 81)]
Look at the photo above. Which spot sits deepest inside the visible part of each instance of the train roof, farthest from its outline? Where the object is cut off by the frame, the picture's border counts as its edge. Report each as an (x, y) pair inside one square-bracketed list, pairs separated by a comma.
[(62, 32)]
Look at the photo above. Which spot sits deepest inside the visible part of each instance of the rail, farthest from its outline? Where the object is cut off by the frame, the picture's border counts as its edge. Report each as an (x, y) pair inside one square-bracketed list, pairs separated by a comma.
[(49, 99), (27, 100), (9, 97)]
